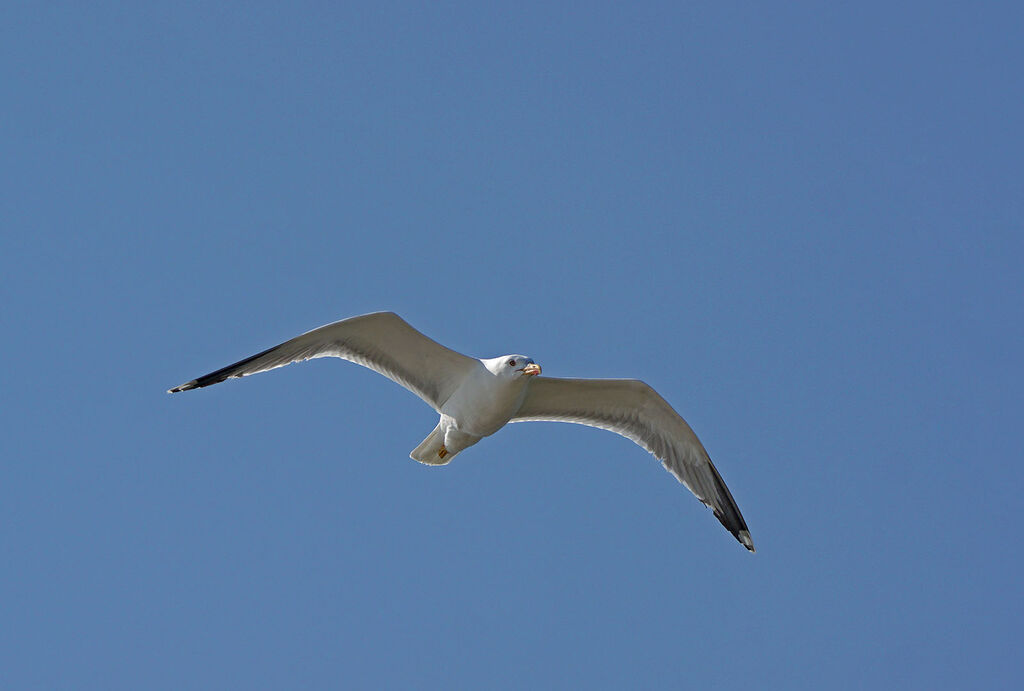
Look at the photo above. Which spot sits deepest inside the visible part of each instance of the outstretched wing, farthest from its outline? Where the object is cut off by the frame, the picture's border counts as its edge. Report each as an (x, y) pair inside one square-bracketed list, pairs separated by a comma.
[(383, 341), (636, 411)]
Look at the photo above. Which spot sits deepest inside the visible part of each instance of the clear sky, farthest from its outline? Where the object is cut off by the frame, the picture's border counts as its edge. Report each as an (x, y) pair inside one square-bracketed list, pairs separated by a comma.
[(801, 224)]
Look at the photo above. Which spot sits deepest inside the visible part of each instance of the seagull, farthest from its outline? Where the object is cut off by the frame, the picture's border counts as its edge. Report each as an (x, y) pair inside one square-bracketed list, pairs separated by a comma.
[(477, 397)]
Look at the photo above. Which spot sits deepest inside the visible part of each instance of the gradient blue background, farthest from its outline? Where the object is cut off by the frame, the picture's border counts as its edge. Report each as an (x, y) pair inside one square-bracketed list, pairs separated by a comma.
[(801, 224)]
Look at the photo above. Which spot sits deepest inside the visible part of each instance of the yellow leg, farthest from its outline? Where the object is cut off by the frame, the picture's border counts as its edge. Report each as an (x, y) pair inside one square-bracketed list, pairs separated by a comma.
[(443, 452)]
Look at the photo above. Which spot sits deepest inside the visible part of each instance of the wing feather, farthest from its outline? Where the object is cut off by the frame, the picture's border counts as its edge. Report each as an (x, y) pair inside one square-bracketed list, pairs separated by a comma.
[(383, 342), (634, 410)]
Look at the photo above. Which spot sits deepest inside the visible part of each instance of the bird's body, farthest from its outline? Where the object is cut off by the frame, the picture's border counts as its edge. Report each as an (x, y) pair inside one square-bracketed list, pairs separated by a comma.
[(476, 398), (483, 403), (486, 400)]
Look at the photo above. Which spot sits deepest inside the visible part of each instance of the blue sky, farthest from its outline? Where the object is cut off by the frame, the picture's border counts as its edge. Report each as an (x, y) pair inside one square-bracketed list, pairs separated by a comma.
[(801, 224)]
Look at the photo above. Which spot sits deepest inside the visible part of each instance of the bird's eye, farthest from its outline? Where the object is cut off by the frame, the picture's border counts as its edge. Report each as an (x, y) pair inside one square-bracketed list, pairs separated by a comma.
[(511, 363)]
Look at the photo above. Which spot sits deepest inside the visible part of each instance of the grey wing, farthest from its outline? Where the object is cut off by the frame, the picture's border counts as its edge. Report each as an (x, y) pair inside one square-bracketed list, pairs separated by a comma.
[(636, 411), (382, 341)]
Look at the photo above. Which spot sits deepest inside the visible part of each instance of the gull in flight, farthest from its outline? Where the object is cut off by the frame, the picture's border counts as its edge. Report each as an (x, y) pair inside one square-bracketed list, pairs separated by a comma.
[(476, 398)]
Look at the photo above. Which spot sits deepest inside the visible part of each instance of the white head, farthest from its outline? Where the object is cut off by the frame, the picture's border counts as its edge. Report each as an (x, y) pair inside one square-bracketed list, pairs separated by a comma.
[(512, 366)]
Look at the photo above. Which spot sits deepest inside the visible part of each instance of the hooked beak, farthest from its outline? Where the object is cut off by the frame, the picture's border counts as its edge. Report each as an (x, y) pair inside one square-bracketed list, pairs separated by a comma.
[(531, 369)]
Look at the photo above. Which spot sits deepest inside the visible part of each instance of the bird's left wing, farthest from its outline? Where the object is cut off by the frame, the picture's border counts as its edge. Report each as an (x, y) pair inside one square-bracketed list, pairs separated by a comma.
[(636, 411), (382, 341)]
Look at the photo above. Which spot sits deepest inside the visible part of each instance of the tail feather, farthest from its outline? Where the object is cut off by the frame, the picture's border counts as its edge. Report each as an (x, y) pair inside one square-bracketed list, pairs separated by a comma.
[(428, 451)]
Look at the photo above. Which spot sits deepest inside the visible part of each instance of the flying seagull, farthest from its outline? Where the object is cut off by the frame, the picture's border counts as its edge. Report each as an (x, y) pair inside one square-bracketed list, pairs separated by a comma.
[(476, 398)]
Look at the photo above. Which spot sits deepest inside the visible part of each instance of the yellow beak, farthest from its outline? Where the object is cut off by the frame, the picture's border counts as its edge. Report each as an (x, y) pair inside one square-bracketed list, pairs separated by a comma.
[(531, 369)]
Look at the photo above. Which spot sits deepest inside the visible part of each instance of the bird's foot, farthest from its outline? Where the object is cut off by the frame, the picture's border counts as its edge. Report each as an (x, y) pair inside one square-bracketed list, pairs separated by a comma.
[(442, 452)]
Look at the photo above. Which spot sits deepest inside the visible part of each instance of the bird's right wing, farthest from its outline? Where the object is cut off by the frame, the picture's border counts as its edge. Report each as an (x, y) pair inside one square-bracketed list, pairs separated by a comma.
[(383, 341), (636, 411)]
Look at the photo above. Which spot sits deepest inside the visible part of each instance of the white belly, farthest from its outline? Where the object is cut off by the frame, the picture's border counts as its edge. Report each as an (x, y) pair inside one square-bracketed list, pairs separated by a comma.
[(484, 403)]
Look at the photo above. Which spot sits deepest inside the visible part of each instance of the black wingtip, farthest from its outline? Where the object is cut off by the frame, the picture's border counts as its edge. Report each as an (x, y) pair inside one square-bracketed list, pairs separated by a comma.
[(187, 386), (220, 375), (728, 514), (738, 531)]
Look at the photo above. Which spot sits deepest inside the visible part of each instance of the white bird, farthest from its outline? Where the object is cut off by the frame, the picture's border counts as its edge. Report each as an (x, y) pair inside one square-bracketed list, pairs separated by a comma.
[(476, 398)]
